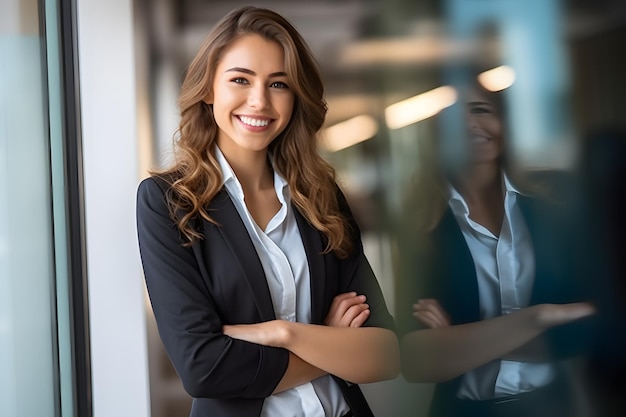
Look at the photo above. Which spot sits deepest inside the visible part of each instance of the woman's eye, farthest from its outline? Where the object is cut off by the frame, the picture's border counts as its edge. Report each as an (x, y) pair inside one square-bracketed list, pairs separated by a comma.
[(479, 110), (239, 80), (279, 84)]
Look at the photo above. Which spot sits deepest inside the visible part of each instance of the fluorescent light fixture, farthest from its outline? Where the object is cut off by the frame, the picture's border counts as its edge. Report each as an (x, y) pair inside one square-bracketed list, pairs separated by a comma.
[(498, 78), (427, 45), (349, 132), (420, 107)]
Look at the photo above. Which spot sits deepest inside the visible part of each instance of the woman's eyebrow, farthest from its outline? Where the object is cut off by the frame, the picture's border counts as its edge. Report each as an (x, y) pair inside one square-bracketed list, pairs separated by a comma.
[(249, 71)]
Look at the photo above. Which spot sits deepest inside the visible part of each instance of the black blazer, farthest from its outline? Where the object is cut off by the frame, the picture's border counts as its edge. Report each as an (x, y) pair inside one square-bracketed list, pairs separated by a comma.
[(445, 270), (219, 280)]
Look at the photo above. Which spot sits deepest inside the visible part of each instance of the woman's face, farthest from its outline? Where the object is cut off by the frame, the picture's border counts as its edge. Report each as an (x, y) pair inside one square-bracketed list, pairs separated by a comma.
[(252, 102), (484, 128)]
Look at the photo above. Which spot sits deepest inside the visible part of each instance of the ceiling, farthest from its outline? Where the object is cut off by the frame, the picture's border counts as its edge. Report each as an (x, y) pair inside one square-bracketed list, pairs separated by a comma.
[(363, 46)]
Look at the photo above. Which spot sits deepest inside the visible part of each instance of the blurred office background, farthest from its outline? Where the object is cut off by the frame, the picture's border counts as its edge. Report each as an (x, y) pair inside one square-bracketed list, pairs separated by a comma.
[(88, 105)]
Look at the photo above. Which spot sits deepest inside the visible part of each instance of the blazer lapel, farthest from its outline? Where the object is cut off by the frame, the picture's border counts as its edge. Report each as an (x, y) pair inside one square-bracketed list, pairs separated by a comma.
[(541, 248), (313, 246), (237, 238), (457, 260)]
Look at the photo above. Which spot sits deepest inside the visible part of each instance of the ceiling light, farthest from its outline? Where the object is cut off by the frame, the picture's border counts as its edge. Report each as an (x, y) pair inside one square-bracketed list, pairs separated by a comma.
[(349, 132), (419, 107), (498, 78)]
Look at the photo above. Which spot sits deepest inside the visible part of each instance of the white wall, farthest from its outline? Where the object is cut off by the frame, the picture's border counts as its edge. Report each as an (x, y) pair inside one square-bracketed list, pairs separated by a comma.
[(116, 289)]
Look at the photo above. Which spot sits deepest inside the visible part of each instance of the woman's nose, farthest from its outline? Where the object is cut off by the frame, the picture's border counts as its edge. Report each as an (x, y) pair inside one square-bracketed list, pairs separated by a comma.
[(472, 122), (258, 98)]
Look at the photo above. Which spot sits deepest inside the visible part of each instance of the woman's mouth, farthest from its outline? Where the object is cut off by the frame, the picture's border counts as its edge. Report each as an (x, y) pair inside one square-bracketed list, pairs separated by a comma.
[(479, 139), (254, 122)]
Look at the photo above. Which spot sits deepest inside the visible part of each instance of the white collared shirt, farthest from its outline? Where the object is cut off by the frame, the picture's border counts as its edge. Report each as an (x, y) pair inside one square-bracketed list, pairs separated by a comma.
[(505, 270), (284, 262)]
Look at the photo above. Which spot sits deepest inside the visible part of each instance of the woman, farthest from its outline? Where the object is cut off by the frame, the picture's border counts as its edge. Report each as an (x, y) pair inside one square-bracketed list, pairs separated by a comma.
[(252, 259), (495, 271)]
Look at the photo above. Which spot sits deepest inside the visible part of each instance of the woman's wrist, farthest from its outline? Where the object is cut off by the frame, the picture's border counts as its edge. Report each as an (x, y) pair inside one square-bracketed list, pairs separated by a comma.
[(281, 333)]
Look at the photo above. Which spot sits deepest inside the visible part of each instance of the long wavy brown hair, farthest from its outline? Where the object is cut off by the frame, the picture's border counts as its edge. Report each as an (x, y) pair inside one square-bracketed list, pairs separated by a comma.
[(195, 176)]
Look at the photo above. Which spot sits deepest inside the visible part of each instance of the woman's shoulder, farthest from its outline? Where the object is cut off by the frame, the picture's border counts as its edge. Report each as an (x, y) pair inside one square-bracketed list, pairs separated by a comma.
[(152, 192), (154, 184), (159, 181), (158, 188)]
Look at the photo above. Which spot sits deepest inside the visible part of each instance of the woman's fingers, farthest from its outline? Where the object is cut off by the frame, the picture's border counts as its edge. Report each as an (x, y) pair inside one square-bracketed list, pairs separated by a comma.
[(355, 315), (347, 310), (430, 313), (428, 319)]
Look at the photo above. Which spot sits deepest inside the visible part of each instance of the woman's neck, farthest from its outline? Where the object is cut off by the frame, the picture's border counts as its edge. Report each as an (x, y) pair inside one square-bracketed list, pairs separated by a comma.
[(480, 183), (256, 176), (253, 170), (481, 187)]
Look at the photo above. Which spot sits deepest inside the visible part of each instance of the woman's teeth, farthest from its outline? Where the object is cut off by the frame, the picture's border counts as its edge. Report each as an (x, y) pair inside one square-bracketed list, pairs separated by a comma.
[(478, 139), (254, 122)]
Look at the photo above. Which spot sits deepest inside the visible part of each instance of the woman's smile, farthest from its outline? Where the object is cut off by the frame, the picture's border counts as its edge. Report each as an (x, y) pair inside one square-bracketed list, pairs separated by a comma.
[(255, 123)]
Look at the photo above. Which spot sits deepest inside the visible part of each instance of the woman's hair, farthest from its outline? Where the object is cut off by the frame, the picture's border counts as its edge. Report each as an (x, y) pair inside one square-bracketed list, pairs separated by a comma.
[(196, 178)]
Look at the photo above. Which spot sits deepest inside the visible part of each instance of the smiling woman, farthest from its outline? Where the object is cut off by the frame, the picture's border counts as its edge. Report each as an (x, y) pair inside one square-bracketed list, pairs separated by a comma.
[(251, 99), (254, 264), (493, 301)]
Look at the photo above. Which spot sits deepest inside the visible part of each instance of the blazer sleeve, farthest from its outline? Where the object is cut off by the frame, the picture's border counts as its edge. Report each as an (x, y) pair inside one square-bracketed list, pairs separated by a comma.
[(356, 275), (209, 363), (414, 281)]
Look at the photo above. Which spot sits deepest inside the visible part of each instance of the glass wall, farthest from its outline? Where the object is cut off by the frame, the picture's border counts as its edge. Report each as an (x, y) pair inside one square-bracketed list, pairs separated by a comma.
[(389, 68), (35, 327)]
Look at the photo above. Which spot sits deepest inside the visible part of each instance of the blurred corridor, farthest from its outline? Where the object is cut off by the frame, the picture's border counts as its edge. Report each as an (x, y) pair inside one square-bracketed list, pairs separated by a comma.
[(88, 96)]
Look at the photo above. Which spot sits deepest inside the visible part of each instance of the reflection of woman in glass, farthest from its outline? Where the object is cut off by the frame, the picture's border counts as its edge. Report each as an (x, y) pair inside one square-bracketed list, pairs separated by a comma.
[(262, 295), (493, 288)]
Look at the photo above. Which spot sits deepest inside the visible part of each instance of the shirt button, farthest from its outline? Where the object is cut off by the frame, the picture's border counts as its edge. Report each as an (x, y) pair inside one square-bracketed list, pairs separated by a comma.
[(510, 310)]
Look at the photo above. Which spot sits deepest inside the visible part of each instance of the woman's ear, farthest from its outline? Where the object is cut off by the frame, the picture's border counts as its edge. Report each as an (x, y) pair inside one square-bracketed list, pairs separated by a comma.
[(208, 99)]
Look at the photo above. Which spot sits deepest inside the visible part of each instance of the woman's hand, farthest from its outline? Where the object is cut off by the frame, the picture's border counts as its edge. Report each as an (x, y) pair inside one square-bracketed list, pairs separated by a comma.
[(269, 333), (550, 315), (430, 313), (347, 310)]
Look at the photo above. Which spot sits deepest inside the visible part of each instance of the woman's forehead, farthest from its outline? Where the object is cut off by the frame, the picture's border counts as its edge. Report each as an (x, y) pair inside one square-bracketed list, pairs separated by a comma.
[(475, 95)]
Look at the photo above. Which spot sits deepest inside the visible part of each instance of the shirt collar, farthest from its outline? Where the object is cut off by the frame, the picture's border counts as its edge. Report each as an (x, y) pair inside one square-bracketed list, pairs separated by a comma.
[(509, 187), (229, 179), (456, 199)]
